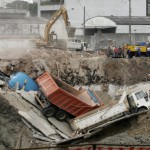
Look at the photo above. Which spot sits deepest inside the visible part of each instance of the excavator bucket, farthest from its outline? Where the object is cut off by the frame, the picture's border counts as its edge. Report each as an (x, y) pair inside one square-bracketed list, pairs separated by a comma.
[(70, 31)]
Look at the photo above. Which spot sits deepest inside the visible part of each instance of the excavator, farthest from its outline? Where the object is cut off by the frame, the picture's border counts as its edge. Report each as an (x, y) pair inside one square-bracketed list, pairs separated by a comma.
[(46, 41)]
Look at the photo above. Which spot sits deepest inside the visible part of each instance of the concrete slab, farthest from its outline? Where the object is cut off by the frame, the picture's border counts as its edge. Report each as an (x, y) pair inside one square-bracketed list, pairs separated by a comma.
[(2, 82), (62, 134), (63, 127), (38, 122), (30, 97)]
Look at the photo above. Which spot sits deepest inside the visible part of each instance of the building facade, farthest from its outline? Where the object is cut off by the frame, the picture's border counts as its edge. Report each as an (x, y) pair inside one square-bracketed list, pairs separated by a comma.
[(3, 3), (104, 8)]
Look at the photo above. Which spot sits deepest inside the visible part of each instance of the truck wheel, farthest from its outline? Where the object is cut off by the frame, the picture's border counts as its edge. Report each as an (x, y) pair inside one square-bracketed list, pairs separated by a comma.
[(142, 109), (61, 115), (48, 112)]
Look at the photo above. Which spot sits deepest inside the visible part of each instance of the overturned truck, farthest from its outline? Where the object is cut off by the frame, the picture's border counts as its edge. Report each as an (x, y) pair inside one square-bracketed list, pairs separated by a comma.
[(129, 104), (62, 100)]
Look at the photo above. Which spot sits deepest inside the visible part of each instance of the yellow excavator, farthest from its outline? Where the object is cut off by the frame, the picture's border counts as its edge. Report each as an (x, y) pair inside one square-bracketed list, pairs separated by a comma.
[(46, 41)]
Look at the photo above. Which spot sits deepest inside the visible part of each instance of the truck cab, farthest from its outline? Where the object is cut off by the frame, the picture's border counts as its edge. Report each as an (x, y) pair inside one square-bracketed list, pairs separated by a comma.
[(76, 44), (138, 101)]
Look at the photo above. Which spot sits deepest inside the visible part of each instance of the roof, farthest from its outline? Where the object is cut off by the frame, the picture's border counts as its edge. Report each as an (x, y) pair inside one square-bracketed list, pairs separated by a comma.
[(100, 22), (113, 21), (135, 20)]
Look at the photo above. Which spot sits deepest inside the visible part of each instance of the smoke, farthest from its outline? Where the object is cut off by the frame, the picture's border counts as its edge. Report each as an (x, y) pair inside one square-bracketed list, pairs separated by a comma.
[(14, 48), (60, 29)]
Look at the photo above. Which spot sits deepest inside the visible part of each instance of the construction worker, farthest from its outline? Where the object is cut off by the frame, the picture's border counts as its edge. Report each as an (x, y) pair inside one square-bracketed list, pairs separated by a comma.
[(119, 52), (109, 52), (138, 54), (129, 53), (123, 52), (148, 51), (116, 52)]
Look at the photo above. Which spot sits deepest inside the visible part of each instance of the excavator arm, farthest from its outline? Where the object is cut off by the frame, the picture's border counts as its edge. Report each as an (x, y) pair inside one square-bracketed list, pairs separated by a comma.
[(62, 11)]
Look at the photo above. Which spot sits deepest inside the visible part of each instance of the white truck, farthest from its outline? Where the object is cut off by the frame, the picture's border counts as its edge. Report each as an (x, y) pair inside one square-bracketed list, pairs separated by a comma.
[(75, 44), (128, 104)]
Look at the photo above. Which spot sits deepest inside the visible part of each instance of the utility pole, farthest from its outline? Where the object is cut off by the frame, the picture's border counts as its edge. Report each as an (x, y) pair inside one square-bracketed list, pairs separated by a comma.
[(84, 24), (130, 41), (60, 2)]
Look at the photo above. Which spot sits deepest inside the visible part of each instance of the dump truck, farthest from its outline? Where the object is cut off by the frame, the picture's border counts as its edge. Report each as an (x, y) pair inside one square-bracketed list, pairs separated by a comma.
[(62, 100), (128, 104)]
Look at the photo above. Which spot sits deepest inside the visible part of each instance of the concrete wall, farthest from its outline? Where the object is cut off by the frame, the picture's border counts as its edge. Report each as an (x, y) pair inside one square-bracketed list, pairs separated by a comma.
[(101, 40), (21, 29), (13, 13), (3, 3), (134, 29), (103, 8)]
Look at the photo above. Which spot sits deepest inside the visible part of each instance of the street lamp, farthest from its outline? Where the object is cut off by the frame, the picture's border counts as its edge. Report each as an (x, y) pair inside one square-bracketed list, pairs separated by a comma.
[(84, 24)]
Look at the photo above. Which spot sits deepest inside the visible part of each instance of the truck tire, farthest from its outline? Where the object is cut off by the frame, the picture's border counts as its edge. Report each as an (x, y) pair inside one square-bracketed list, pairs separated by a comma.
[(141, 109), (48, 112), (61, 115)]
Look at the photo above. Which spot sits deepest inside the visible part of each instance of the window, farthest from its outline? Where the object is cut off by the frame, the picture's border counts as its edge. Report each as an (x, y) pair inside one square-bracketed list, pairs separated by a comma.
[(131, 101), (148, 7), (139, 95)]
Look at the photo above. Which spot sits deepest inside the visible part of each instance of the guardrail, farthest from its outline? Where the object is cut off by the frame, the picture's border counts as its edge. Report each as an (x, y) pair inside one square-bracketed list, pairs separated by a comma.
[(91, 147)]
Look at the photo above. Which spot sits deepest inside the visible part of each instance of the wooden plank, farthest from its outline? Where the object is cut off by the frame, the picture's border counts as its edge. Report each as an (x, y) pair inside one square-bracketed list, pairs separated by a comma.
[(39, 101)]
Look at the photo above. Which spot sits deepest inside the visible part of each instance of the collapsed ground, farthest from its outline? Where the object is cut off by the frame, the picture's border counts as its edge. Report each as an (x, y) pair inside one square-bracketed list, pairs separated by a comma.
[(77, 68)]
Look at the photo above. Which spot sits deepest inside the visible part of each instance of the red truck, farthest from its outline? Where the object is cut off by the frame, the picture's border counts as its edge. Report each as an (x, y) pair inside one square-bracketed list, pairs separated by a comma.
[(62, 100)]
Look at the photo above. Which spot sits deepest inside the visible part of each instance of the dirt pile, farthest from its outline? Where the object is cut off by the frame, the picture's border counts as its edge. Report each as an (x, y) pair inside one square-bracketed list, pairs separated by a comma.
[(128, 72), (80, 68), (134, 131)]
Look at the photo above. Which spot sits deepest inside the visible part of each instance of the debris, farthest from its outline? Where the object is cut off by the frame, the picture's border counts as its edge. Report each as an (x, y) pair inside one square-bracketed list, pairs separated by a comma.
[(76, 69), (37, 136), (30, 97), (2, 83), (38, 122), (65, 128)]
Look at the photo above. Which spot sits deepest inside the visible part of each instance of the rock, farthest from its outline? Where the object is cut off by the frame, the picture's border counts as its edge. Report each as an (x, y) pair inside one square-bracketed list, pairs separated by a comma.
[(2, 83)]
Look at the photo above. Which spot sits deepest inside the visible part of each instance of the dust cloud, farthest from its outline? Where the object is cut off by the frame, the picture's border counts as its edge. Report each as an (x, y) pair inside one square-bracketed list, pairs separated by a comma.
[(14, 48)]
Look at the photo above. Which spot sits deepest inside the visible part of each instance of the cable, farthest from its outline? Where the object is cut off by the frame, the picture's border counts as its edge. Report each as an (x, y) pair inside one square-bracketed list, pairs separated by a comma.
[(85, 10)]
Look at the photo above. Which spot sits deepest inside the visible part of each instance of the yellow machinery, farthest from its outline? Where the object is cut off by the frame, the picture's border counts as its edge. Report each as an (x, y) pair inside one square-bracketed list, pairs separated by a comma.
[(133, 48), (62, 11)]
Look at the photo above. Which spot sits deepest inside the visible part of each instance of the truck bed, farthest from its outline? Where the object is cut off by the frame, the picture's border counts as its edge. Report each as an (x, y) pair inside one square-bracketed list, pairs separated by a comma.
[(97, 116), (65, 96)]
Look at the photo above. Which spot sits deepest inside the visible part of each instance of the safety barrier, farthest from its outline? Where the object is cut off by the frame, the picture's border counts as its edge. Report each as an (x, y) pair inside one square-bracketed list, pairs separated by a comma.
[(90, 147), (99, 147)]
